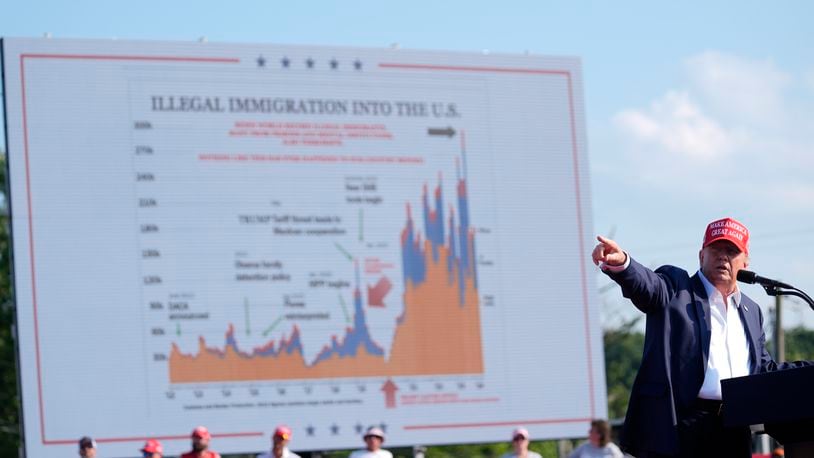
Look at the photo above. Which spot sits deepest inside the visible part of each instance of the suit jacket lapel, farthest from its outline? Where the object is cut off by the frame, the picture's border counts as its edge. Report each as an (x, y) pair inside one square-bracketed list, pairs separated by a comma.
[(751, 324), (702, 309)]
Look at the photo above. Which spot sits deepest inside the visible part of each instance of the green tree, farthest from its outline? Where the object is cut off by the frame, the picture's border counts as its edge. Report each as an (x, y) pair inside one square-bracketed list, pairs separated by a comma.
[(623, 355), (9, 401), (799, 344)]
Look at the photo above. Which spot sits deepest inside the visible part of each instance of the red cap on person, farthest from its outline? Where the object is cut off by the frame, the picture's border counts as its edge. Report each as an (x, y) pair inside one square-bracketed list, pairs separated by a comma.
[(152, 446), (201, 432), (727, 229), (283, 432)]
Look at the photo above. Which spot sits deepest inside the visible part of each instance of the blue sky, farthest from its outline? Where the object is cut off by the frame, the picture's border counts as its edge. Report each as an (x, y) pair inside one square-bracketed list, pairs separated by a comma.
[(695, 110)]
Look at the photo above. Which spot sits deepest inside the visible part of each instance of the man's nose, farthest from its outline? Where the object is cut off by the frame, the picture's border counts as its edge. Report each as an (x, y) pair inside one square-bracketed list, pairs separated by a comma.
[(724, 255)]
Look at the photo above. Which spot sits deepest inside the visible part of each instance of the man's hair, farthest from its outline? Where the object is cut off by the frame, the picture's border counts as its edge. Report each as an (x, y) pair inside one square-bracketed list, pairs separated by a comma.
[(603, 428)]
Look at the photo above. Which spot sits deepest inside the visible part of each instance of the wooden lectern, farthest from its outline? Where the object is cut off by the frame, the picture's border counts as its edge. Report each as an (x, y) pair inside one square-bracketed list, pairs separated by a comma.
[(782, 401)]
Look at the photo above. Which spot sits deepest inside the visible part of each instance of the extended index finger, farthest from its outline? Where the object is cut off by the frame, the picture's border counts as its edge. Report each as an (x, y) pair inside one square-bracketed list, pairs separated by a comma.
[(603, 240)]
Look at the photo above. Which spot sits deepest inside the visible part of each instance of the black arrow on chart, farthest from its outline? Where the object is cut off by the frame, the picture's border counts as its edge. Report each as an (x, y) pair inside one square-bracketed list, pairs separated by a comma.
[(448, 132)]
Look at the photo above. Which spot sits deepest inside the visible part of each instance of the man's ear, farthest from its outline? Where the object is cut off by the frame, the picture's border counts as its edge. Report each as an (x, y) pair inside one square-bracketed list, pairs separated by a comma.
[(701, 256)]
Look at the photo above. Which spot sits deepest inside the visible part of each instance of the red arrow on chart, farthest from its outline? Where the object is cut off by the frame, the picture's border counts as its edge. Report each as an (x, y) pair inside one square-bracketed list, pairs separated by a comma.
[(375, 294), (390, 389)]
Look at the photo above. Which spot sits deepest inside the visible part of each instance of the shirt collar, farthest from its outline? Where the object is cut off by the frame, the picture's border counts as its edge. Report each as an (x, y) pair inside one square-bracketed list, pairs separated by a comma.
[(712, 291)]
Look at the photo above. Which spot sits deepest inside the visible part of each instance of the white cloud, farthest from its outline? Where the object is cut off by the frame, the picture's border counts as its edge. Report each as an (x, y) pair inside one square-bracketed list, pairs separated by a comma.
[(737, 127), (675, 124)]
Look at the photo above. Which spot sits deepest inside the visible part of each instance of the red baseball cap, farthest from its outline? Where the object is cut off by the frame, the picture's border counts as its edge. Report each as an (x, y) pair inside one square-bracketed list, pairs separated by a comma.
[(201, 432), (283, 432), (727, 229), (152, 446)]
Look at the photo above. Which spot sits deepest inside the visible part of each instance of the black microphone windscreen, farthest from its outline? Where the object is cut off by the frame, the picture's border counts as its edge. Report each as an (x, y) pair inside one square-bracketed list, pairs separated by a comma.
[(746, 276)]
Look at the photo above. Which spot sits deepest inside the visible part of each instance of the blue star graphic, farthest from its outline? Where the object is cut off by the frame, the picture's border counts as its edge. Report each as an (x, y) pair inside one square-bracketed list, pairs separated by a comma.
[(358, 64), (261, 61), (285, 62), (309, 63), (334, 64)]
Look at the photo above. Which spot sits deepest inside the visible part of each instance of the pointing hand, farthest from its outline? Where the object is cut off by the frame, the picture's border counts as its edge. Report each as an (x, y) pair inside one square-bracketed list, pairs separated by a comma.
[(609, 252)]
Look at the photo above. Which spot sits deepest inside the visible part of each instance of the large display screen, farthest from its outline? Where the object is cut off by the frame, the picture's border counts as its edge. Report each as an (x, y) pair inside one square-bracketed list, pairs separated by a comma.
[(246, 235)]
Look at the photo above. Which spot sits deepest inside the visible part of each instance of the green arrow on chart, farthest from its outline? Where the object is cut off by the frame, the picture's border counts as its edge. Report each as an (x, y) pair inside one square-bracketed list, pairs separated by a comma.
[(344, 251), (344, 309), (361, 225), (273, 325)]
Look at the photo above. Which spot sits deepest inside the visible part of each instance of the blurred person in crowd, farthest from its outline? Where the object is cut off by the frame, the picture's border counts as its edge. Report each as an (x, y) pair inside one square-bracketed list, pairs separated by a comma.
[(279, 444), (200, 444), (599, 444), (520, 445), (87, 447), (374, 438), (152, 449)]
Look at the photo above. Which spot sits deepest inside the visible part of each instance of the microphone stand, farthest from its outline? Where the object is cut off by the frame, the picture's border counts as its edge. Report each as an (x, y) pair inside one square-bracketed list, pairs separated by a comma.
[(773, 290)]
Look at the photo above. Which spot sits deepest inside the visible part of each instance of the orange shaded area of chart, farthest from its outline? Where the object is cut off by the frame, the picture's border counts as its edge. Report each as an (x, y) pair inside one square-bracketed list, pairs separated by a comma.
[(439, 331), (438, 336)]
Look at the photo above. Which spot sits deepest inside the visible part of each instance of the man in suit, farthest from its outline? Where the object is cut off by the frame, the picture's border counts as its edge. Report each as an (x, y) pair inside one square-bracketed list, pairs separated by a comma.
[(700, 330)]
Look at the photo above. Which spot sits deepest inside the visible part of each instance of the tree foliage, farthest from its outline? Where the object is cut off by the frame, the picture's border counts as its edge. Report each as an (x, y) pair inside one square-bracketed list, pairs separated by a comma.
[(623, 355), (9, 402), (799, 344)]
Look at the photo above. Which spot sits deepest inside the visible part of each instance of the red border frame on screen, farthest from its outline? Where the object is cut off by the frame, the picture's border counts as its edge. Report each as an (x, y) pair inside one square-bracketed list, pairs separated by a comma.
[(397, 66)]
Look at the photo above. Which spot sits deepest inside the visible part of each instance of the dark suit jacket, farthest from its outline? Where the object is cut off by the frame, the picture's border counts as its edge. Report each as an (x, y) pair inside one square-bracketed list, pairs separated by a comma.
[(676, 348)]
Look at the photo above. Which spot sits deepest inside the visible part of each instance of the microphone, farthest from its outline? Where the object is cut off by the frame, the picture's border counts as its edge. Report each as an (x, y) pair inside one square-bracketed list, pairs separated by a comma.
[(747, 276), (774, 287)]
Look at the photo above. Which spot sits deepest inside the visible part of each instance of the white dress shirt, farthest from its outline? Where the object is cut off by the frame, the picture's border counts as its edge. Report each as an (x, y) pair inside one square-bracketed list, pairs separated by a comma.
[(728, 347)]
